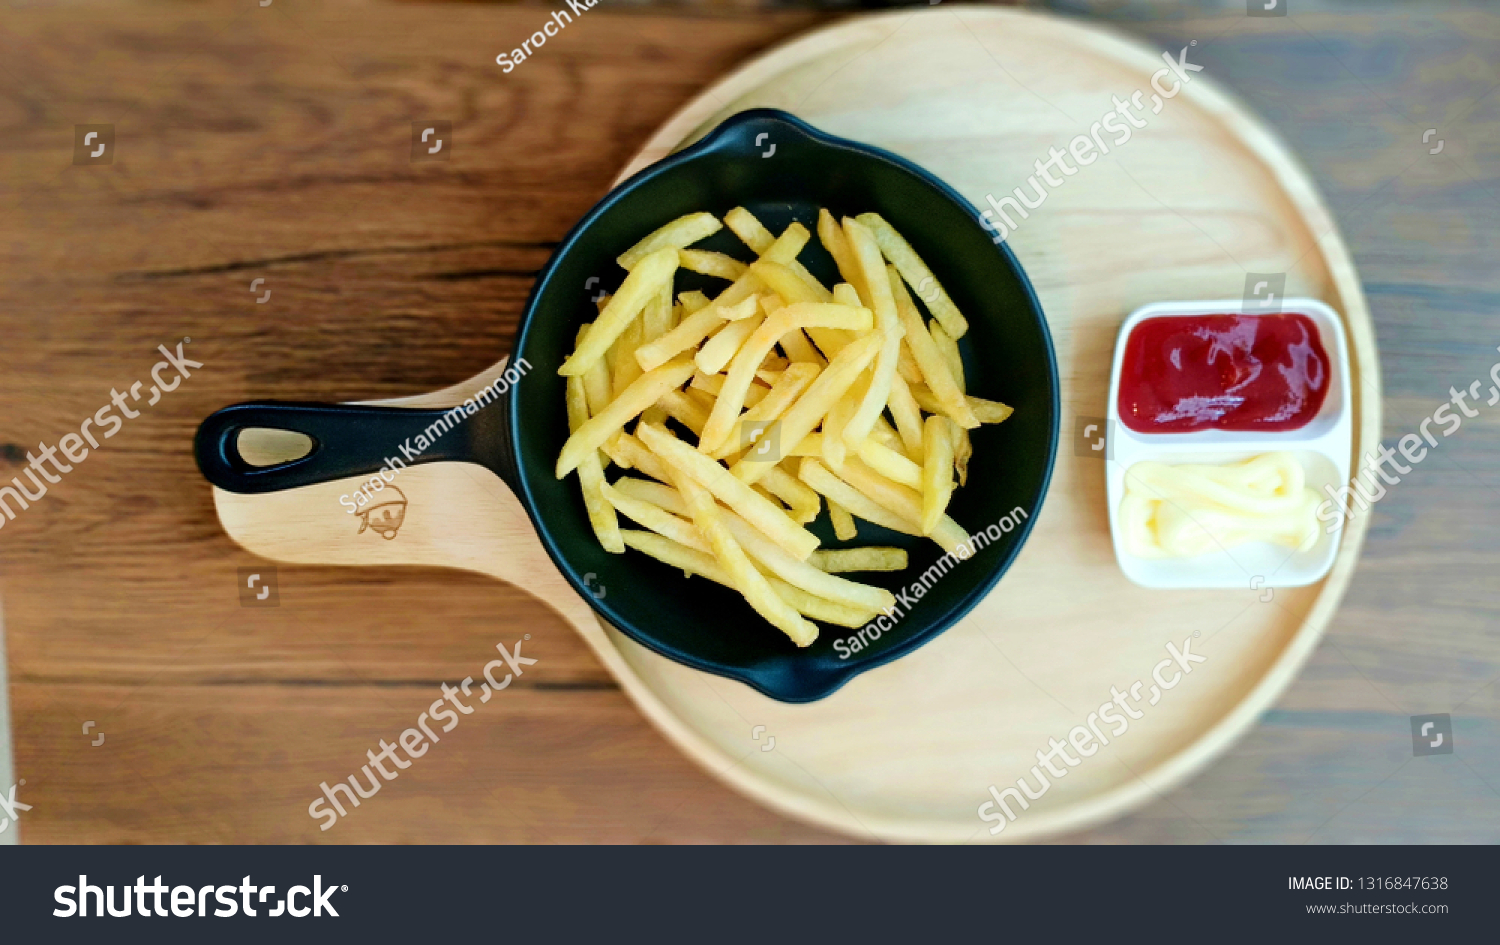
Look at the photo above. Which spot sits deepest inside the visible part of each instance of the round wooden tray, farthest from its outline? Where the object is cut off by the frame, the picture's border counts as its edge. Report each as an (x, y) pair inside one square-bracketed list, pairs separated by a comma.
[(1195, 200)]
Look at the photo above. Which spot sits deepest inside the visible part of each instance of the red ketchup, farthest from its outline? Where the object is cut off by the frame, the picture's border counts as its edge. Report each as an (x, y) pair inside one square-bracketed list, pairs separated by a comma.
[(1227, 372)]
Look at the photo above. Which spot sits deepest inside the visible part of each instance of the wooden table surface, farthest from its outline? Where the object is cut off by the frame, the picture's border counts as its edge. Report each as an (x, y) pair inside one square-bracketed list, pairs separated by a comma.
[(274, 143)]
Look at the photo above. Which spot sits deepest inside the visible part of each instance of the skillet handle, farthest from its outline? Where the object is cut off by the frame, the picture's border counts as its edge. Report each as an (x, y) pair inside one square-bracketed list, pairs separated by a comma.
[(348, 440)]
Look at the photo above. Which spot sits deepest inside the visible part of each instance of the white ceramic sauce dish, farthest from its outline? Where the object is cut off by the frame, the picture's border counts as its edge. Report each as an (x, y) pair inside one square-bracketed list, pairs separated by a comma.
[(1322, 446)]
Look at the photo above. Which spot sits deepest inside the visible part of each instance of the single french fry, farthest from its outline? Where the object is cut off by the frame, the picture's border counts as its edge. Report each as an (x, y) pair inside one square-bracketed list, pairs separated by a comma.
[(656, 318), (655, 518), (596, 382), (963, 449), (591, 475), (886, 435), (756, 509), (908, 416), (868, 558), (757, 237), (788, 244), (986, 411), (907, 366), (747, 580), (819, 608), (683, 231), (937, 470), (692, 301), (710, 263), (799, 350), (689, 334), (747, 307), (895, 248), (839, 415), (934, 369), (646, 390), (867, 256), (773, 365), (948, 348), (834, 489), (844, 528), (712, 384), (803, 504), (623, 308), (623, 367), (685, 410), (703, 397), (660, 494), (834, 240), (989, 411), (810, 445), (891, 464), (758, 345), (785, 283), (719, 350), (630, 453)]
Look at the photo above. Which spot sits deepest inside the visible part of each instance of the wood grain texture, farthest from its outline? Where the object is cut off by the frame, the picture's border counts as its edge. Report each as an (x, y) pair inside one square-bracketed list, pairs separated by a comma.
[(279, 149)]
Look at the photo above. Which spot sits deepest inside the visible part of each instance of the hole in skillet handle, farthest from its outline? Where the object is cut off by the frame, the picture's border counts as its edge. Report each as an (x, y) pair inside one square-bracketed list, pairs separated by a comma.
[(1008, 353), (349, 440)]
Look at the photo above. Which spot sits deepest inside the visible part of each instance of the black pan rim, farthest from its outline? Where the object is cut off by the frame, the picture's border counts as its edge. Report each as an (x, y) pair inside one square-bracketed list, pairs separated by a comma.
[(528, 499)]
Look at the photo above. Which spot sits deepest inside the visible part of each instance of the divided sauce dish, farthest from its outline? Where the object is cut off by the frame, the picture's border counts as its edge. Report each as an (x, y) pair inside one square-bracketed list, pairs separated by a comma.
[(1320, 446)]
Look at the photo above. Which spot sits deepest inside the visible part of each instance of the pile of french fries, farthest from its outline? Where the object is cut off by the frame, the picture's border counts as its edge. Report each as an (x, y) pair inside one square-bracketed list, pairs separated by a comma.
[(796, 395)]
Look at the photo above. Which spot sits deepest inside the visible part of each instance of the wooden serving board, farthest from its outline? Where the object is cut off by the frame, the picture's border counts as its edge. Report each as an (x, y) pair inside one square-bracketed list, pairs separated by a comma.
[(1192, 202)]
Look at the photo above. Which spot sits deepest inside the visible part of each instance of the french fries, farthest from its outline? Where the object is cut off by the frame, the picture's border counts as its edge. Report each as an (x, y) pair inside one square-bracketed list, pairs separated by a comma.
[(711, 263), (936, 479), (591, 476), (797, 394), (683, 231), (732, 558), (895, 248), (869, 558), (929, 359), (624, 306), (754, 508), (646, 390)]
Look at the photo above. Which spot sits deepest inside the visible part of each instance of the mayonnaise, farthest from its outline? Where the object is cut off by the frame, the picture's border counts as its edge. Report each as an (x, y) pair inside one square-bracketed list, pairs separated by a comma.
[(1180, 511)]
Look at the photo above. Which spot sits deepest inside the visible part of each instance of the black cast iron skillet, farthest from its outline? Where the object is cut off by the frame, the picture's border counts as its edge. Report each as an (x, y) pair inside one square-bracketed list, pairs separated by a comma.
[(1008, 354)]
